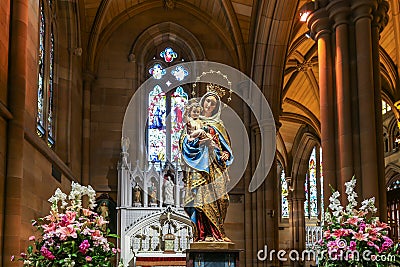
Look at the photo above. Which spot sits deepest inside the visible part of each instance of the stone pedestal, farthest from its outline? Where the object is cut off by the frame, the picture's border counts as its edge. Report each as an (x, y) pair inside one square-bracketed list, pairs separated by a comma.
[(212, 254)]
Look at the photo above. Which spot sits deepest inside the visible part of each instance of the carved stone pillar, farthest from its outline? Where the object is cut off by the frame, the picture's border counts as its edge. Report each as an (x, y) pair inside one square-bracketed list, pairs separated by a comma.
[(362, 11), (339, 12), (88, 79), (296, 220), (15, 136), (263, 211), (380, 21), (320, 26), (351, 122)]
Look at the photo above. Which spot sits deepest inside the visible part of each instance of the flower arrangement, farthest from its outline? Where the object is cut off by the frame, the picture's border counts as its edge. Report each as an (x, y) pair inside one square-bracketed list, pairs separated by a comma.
[(70, 235), (354, 237)]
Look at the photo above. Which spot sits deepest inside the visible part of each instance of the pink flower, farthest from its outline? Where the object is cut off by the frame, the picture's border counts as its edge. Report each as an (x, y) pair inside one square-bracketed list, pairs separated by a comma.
[(96, 233), (362, 227), (87, 212), (352, 245), (382, 225), (12, 258), (32, 238), (47, 228), (114, 250), (353, 221), (360, 236), (47, 253), (87, 231), (84, 246), (332, 245), (67, 231), (68, 218), (327, 234), (341, 232), (100, 221), (88, 258), (23, 255), (386, 244)]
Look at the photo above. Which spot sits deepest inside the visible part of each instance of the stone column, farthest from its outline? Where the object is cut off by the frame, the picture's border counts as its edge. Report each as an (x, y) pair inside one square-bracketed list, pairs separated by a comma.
[(362, 11), (264, 210), (296, 220), (379, 22), (339, 12), (257, 207), (351, 119), (88, 79), (15, 143), (320, 25)]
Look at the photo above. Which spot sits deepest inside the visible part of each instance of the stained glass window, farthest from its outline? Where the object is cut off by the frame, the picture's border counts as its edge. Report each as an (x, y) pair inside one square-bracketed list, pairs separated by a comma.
[(313, 190), (165, 109), (284, 195), (180, 73), (40, 91), (157, 71), (321, 181), (50, 94), (313, 184), (156, 126), (394, 185), (306, 202), (46, 79), (385, 107), (178, 101), (168, 54)]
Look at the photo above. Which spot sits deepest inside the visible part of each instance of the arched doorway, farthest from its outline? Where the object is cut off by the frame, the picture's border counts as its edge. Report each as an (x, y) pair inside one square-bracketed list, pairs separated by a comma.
[(393, 201)]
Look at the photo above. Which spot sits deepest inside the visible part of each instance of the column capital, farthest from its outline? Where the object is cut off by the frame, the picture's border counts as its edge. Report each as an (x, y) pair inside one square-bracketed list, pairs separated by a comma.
[(363, 8), (380, 15), (339, 11), (256, 129), (319, 23)]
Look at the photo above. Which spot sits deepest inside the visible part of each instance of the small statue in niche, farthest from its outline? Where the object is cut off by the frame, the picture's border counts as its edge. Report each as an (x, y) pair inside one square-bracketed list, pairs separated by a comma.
[(169, 190), (125, 144), (137, 196), (153, 194)]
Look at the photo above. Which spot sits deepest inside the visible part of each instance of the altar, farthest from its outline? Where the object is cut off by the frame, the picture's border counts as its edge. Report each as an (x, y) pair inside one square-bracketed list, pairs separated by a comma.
[(145, 260)]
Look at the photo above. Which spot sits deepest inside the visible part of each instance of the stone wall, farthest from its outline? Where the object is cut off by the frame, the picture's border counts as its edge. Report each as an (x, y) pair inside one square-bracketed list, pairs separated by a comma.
[(26, 161)]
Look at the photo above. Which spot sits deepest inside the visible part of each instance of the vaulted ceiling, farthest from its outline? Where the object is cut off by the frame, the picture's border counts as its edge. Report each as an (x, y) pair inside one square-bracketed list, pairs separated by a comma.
[(238, 22)]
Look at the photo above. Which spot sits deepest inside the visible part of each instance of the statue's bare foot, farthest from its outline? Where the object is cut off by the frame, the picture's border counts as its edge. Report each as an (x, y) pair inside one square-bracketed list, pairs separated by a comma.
[(209, 239), (226, 239)]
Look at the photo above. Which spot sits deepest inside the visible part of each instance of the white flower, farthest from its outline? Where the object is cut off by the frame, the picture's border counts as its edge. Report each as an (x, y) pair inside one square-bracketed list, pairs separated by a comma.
[(351, 195), (368, 205), (58, 196), (92, 197)]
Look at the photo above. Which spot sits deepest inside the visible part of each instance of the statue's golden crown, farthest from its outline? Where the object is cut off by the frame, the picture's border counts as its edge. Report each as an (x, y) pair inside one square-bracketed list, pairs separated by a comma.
[(216, 89)]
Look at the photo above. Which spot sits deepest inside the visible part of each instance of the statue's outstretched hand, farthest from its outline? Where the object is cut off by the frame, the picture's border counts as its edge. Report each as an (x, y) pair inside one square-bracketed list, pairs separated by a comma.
[(225, 155)]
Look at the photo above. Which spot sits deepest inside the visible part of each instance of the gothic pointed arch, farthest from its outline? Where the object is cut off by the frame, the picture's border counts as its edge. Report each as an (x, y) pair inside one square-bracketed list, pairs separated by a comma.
[(218, 17), (304, 143), (163, 33)]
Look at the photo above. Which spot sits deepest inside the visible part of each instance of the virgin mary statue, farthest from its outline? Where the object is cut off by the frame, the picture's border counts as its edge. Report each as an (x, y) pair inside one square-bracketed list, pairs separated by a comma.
[(207, 155)]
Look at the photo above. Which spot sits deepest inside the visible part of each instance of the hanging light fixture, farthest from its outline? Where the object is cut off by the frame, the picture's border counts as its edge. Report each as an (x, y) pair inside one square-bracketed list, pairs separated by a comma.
[(306, 10)]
